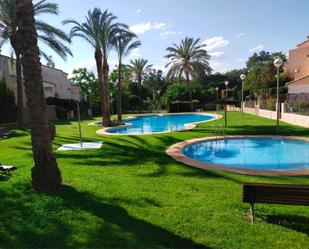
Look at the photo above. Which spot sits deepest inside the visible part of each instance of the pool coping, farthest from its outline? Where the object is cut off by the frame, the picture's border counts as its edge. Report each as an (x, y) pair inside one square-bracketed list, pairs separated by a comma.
[(188, 126), (175, 151)]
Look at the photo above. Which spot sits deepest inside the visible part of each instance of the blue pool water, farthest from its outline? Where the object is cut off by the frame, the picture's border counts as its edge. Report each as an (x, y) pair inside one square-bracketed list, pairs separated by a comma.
[(252, 153), (159, 123)]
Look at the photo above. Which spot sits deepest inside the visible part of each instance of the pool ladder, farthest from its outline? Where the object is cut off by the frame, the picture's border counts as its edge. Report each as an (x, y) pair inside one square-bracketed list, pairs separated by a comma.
[(218, 131)]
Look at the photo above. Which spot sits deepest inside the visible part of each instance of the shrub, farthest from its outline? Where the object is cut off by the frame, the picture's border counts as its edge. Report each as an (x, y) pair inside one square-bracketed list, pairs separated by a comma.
[(8, 109)]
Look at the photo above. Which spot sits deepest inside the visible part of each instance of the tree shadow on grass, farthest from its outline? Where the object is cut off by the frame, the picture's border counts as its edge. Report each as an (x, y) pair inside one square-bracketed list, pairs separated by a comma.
[(32, 220), (294, 222), (4, 177)]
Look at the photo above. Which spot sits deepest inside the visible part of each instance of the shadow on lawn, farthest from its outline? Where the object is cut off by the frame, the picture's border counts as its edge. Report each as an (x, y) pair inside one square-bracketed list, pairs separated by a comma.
[(31, 220), (294, 222)]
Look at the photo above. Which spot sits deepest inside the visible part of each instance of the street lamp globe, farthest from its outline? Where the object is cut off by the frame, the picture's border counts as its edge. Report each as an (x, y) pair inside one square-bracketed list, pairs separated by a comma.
[(278, 62), (217, 88), (242, 76), (226, 83)]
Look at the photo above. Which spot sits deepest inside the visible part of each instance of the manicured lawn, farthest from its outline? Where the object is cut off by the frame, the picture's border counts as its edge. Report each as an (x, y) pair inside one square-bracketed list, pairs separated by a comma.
[(130, 194)]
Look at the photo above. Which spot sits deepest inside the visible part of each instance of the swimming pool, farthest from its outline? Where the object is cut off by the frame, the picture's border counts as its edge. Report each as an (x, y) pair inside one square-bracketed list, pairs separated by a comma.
[(146, 124), (246, 154)]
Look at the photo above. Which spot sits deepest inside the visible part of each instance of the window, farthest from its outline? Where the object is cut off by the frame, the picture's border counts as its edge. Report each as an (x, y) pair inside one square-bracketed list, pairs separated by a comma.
[(48, 89)]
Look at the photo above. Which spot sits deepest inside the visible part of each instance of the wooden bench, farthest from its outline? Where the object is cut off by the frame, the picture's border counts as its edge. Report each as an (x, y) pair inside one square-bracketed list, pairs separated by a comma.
[(274, 194)]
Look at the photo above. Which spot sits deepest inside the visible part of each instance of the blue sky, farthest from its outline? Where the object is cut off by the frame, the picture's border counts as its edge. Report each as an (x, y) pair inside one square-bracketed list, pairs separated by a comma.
[(232, 30)]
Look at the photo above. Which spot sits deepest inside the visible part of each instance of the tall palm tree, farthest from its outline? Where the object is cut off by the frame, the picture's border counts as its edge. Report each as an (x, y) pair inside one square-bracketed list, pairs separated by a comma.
[(47, 34), (109, 31), (186, 59), (90, 31), (123, 45), (139, 68), (99, 30), (46, 175)]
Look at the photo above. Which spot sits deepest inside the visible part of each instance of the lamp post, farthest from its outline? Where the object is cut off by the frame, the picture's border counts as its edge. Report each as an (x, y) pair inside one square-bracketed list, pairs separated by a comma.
[(90, 104), (217, 90), (242, 77), (225, 106), (79, 126), (158, 92), (278, 63), (111, 102)]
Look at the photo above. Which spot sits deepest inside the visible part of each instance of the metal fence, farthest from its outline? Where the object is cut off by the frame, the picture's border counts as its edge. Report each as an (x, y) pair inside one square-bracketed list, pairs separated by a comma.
[(250, 103), (268, 104), (301, 108)]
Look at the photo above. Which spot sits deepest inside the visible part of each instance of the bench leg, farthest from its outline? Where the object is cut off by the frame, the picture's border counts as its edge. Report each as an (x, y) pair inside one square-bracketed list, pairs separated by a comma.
[(252, 213)]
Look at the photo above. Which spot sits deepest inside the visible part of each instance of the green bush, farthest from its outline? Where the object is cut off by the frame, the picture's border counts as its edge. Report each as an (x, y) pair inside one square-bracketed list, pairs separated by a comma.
[(8, 109)]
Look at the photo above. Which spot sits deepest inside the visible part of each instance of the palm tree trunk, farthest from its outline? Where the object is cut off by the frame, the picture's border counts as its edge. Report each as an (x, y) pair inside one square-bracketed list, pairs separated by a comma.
[(190, 91), (20, 100), (46, 175), (106, 92), (139, 81), (99, 58), (119, 102)]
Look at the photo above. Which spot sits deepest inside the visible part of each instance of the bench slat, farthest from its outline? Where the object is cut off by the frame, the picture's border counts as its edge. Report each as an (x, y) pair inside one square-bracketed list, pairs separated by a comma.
[(276, 193)]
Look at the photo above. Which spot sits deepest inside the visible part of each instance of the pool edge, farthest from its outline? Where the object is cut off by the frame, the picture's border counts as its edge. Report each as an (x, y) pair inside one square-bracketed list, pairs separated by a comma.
[(175, 151), (188, 126)]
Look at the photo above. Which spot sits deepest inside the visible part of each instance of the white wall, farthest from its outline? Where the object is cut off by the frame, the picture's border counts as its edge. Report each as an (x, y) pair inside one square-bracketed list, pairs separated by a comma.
[(291, 118)]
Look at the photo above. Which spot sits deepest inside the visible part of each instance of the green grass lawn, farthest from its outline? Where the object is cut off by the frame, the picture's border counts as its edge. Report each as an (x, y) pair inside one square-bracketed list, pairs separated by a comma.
[(130, 194)]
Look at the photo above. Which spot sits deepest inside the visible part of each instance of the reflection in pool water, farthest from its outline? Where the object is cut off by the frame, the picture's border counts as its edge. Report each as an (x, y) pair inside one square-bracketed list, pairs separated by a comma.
[(252, 153)]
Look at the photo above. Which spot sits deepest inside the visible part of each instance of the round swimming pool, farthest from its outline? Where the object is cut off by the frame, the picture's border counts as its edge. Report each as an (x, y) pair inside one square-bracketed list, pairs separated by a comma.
[(147, 124), (245, 154)]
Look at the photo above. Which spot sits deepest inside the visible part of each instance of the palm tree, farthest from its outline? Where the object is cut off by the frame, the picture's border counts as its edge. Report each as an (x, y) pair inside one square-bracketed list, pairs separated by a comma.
[(109, 31), (123, 45), (139, 68), (186, 59), (53, 37), (90, 31), (46, 175), (99, 30)]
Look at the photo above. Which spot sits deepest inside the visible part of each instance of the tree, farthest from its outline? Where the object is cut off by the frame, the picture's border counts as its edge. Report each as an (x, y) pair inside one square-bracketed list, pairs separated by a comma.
[(49, 35), (7, 105), (90, 31), (109, 32), (154, 82), (264, 58), (99, 30), (187, 59), (46, 175), (87, 82), (261, 79), (123, 45), (139, 69), (178, 91)]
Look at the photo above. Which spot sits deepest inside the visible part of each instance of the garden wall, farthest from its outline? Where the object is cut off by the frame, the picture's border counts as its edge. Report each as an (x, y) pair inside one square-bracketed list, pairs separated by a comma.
[(291, 118)]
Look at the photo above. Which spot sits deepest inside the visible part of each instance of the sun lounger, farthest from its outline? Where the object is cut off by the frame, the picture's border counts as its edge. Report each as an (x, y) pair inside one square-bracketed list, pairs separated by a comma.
[(4, 169)]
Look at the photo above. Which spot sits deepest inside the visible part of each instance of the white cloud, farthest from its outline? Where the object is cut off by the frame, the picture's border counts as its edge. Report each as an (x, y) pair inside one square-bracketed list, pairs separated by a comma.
[(256, 48), (216, 42), (159, 25), (138, 11), (217, 55), (163, 34), (240, 60), (141, 28), (135, 53), (216, 66), (239, 38)]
